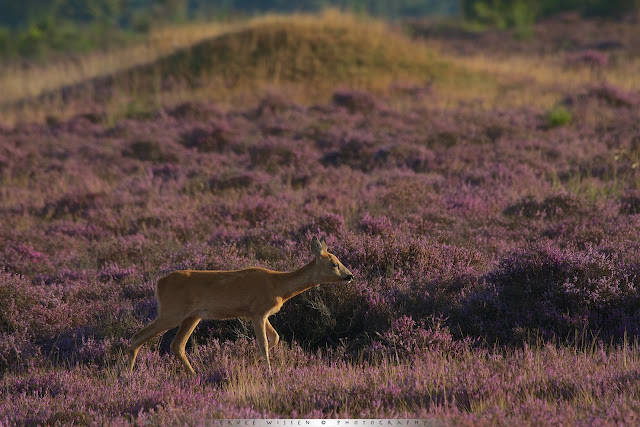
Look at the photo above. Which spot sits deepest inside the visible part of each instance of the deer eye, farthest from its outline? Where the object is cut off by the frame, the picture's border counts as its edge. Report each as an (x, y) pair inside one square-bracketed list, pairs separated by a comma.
[(334, 265)]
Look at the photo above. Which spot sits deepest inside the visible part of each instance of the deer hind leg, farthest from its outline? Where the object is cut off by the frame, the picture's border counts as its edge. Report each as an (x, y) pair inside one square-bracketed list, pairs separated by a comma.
[(180, 340), (272, 335), (153, 329), (261, 336)]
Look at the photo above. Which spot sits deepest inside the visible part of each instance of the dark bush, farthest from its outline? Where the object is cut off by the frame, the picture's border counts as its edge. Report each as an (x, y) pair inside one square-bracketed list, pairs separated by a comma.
[(195, 111), (73, 204), (356, 150), (630, 204), (274, 153), (148, 151), (550, 208), (356, 101), (213, 138), (558, 292), (274, 103), (217, 183), (415, 157)]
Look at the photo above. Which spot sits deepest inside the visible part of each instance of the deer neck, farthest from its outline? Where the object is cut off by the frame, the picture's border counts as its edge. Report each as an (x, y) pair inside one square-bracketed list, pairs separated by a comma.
[(297, 281)]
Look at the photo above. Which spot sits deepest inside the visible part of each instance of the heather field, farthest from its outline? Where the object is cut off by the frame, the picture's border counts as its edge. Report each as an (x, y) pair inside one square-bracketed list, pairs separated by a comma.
[(493, 240)]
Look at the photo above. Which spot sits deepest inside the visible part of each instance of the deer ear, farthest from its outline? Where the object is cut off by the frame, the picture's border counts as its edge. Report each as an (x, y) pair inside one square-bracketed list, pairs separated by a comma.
[(323, 241), (316, 246)]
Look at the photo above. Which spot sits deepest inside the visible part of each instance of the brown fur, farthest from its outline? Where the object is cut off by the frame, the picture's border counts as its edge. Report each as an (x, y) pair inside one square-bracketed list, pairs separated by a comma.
[(187, 296)]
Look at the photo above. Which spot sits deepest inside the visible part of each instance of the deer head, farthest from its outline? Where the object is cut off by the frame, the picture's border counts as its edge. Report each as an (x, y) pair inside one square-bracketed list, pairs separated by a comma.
[(328, 267)]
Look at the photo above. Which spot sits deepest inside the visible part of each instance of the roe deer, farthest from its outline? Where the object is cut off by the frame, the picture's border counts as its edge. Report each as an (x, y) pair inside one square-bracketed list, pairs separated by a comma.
[(187, 296)]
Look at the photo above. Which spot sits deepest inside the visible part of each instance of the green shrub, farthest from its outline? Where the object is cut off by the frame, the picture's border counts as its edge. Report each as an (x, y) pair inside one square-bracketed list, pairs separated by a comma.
[(518, 14), (558, 116), (5, 41), (515, 13), (31, 43)]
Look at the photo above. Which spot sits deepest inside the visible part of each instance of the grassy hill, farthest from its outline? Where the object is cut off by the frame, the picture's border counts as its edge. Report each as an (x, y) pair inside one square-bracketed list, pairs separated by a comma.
[(309, 54)]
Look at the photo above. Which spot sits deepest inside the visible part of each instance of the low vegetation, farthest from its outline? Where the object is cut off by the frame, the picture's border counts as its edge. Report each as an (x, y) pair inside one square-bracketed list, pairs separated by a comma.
[(493, 240)]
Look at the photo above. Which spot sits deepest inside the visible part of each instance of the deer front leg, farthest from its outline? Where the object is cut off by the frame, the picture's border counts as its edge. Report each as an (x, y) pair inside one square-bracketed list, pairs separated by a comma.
[(261, 336)]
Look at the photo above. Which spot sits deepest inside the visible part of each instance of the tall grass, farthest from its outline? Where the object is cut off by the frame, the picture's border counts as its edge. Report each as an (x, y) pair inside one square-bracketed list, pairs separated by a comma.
[(541, 384)]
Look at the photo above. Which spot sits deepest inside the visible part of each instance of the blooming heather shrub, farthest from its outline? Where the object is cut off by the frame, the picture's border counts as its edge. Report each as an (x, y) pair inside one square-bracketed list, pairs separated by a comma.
[(121, 250), (266, 247), (18, 352), (614, 96), (13, 300), (406, 337), (332, 223), (423, 204), (99, 352), (415, 258), (278, 127), (23, 258), (328, 223), (113, 272), (560, 291), (388, 287), (379, 225), (604, 94), (250, 211)]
